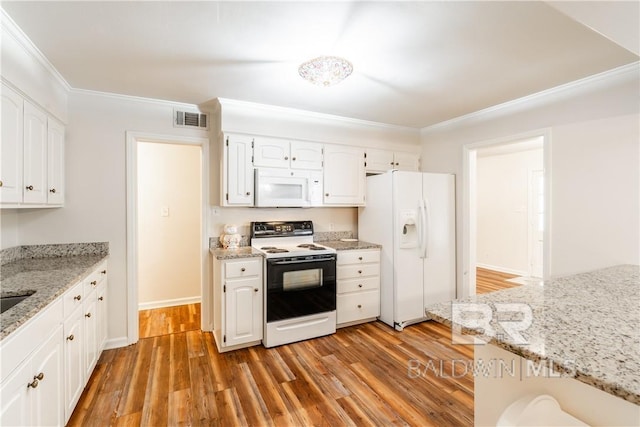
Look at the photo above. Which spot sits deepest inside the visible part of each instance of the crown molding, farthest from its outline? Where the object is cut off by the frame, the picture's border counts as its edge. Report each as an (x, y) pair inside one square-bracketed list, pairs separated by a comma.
[(130, 98), (538, 98), (313, 115), (9, 25)]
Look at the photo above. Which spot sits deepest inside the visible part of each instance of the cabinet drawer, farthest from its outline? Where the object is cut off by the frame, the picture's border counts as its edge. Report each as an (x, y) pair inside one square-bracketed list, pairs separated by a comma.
[(357, 257), (354, 271), (243, 268), (358, 306), (356, 285), (72, 299)]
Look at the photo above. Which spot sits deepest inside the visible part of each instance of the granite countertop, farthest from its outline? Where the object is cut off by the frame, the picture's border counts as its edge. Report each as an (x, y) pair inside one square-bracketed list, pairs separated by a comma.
[(48, 278), (241, 252), (586, 325), (341, 245)]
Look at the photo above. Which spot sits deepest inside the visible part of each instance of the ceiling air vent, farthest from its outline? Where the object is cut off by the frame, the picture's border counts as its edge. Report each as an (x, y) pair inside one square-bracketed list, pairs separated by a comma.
[(190, 119)]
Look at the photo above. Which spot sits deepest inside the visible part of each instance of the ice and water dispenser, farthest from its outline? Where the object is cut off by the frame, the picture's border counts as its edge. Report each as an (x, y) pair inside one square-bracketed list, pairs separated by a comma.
[(409, 237)]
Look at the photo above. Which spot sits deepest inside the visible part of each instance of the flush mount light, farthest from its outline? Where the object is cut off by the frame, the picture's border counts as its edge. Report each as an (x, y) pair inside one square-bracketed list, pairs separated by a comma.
[(325, 70)]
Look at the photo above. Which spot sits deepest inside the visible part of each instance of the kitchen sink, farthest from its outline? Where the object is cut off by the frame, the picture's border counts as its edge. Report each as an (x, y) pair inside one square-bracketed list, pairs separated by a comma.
[(7, 302)]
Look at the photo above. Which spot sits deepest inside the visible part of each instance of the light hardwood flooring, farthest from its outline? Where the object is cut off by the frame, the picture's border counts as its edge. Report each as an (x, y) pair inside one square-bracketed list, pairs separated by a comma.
[(490, 280), (169, 320), (365, 375)]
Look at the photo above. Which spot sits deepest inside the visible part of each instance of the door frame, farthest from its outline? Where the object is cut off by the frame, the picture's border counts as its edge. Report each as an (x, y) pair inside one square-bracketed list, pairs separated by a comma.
[(132, 139), (469, 209)]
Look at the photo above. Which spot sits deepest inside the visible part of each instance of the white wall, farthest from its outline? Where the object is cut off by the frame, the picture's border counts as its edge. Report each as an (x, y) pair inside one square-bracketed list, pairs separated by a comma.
[(8, 228), (502, 203), (608, 103), (169, 247)]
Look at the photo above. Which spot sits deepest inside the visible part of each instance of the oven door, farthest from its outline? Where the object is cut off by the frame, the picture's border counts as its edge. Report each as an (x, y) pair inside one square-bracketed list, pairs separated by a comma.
[(300, 286)]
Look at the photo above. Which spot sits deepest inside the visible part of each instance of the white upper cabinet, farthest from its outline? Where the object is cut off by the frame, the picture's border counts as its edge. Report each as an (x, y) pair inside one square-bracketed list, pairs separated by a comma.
[(237, 171), (35, 155), (55, 163), (32, 170), (282, 153), (344, 175), (379, 161), (11, 146)]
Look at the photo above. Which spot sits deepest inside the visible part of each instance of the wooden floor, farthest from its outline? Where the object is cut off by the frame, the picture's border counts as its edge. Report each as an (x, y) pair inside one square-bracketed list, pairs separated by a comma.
[(490, 280), (168, 320), (365, 375)]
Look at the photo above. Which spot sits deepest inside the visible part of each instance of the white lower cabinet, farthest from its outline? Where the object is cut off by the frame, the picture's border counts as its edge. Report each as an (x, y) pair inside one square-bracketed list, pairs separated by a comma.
[(237, 292), (358, 286), (42, 383), (33, 394)]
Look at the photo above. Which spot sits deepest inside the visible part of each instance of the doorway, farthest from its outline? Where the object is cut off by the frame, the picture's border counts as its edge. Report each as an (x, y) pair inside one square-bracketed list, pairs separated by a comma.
[(167, 247), (504, 237)]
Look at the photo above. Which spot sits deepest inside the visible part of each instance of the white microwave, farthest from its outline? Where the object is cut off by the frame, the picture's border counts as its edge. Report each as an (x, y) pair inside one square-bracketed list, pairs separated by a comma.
[(280, 188)]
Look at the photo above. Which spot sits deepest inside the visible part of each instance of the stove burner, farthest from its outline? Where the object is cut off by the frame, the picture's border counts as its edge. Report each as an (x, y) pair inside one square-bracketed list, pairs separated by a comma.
[(264, 248), (315, 248), (308, 245), (276, 251)]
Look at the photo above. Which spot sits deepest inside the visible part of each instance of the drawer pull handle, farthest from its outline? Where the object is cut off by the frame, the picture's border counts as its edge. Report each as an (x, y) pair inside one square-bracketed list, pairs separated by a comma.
[(359, 305), (77, 297), (93, 282), (39, 377), (243, 269), (70, 337), (359, 285), (87, 315), (101, 299), (33, 384), (30, 188)]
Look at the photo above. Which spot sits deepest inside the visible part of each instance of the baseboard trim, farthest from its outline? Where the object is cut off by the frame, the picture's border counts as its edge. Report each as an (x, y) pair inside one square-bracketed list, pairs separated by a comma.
[(116, 343), (502, 269), (169, 303)]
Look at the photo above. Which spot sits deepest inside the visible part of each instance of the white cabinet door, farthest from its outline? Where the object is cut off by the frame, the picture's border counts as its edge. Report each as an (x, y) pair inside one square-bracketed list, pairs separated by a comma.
[(47, 400), (73, 361), (15, 408), (55, 163), (11, 146), (406, 161), (306, 155), (271, 152), (90, 334), (243, 305), (101, 311), (35, 155), (379, 160), (344, 175), (238, 186)]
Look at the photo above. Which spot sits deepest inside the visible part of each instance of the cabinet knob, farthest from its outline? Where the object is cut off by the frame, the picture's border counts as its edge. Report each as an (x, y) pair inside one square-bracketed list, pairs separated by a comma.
[(359, 305), (33, 384), (39, 377), (255, 289), (326, 194), (359, 285), (397, 164), (360, 258), (53, 190), (87, 315), (248, 193), (391, 163), (1, 184), (286, 157), (29, 187), (103, 272), (101, 299), (359, 271), (243, 269), (293, 158), (77, 297), (93, 282), (70, 337)]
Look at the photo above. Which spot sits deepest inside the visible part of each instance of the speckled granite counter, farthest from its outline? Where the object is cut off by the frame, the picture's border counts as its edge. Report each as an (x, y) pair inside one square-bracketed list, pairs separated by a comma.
[(341, 245), (587, 325), (48, 278), (242, 252)]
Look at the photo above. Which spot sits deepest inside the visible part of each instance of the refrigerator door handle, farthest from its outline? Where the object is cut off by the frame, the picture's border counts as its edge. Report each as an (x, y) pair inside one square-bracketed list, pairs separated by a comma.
[(423, 229), (427, 227)]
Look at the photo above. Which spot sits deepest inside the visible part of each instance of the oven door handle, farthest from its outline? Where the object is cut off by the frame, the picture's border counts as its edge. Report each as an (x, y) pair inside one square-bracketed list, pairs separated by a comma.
[(299, 261)]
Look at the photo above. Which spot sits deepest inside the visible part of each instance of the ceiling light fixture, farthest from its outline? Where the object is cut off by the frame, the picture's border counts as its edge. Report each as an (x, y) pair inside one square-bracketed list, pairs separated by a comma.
[(325, 70)]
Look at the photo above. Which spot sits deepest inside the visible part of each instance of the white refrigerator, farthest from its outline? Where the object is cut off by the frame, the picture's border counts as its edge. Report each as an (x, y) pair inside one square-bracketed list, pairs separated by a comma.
[(412, 215)]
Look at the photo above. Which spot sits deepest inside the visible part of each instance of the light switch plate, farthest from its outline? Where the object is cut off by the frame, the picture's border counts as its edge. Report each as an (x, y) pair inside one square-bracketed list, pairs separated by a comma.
[(164, 211)]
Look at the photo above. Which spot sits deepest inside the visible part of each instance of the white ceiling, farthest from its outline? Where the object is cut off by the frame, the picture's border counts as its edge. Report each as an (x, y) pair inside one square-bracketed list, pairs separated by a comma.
[(415, 63)]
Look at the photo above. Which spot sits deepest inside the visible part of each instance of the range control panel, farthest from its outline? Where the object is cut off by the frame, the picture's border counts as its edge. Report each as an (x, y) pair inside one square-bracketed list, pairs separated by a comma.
[(281, 229)]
